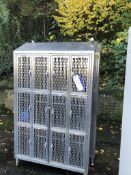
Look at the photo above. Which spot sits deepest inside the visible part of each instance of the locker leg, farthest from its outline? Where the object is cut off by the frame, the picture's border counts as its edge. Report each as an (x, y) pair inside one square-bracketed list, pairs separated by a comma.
[(16, 162)]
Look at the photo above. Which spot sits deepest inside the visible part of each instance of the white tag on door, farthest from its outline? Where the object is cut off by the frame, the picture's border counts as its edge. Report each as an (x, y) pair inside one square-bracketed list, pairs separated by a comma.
[(78, 83)]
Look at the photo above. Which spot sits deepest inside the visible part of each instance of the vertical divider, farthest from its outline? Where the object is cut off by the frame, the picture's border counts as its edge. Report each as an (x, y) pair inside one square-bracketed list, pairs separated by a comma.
[(67, 109), (15, 105), (32, 62), (69, 105), (50, 106)]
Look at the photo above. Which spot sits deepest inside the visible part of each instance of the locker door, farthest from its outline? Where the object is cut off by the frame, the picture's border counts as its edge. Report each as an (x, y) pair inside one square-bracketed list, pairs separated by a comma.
[(23, 72), (23, 124), (59, 117), (40, 125), (23, 140), (58, 147), (78, 113), (58, 132), (80, 67), (41, 71), (40, 144), (76, 150), (59, 73), (40, 106), (58, 111), (24, 107)]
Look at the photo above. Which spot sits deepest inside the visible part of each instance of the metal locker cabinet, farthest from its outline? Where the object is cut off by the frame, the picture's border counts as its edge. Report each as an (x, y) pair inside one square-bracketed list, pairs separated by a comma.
[(55, 92)]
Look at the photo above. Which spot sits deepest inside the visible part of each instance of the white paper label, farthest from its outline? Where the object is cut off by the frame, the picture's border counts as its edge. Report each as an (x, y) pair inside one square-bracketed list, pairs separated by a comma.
[(78, 83)]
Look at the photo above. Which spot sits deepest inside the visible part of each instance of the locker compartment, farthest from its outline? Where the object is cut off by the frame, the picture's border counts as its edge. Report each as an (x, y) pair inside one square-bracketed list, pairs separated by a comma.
[(76, 150), (40, 144), (23, 142), (59, 113), (59, 71), (80, 67), (41, 72), (23, 69), (58, 147), (23, 108), (40, 109), (78, 113)]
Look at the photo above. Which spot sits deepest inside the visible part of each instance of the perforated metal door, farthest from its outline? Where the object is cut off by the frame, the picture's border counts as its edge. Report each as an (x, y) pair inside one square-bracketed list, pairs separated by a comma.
[(59, 73), (78, 114), (80, 67), (58, 147), (23, 72), (59, 113), (23, 142), (40, 127), (58, 122), (76, 150), (41, 72), (41, 103), (24, 107), (40, 145)]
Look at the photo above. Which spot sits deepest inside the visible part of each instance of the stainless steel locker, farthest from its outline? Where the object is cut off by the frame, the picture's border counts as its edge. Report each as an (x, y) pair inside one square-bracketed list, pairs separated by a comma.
[(55, 108)]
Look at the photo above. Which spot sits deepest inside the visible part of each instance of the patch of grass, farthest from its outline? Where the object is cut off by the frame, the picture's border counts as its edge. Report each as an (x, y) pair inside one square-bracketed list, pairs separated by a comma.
[(6, 118), (6, 81)]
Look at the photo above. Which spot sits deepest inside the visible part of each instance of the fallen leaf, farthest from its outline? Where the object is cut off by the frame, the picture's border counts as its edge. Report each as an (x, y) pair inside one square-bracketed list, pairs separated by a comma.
[(100, 129)]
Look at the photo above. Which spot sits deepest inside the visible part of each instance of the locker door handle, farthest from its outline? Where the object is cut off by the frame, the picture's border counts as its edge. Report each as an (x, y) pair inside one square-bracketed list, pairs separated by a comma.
[(70, 113), (69, 149), (30, 142), (45, 144), (72, 74), (46, 110), (52, 111), (47, 74), (30, 108), (51, 146), (30, 72)]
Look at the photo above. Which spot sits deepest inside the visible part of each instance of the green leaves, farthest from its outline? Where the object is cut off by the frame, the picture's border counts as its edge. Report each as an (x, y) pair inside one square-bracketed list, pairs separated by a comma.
[(4, 13), (95, 18)]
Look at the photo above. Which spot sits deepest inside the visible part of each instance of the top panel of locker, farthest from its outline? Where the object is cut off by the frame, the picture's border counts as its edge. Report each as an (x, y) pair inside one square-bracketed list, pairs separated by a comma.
[(58, 47)]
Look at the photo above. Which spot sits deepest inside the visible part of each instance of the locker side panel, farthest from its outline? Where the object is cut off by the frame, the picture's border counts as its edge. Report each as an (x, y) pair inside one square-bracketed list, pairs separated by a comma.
[(94, 106)]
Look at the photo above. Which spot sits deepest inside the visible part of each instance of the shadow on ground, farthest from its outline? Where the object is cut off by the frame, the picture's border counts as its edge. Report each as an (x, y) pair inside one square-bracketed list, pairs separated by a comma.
[(107, 150)]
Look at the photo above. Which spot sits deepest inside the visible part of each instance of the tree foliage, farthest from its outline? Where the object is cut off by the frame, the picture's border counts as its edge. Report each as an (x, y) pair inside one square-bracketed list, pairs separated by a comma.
[(113, 61), (81, 19), (20, 22)]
